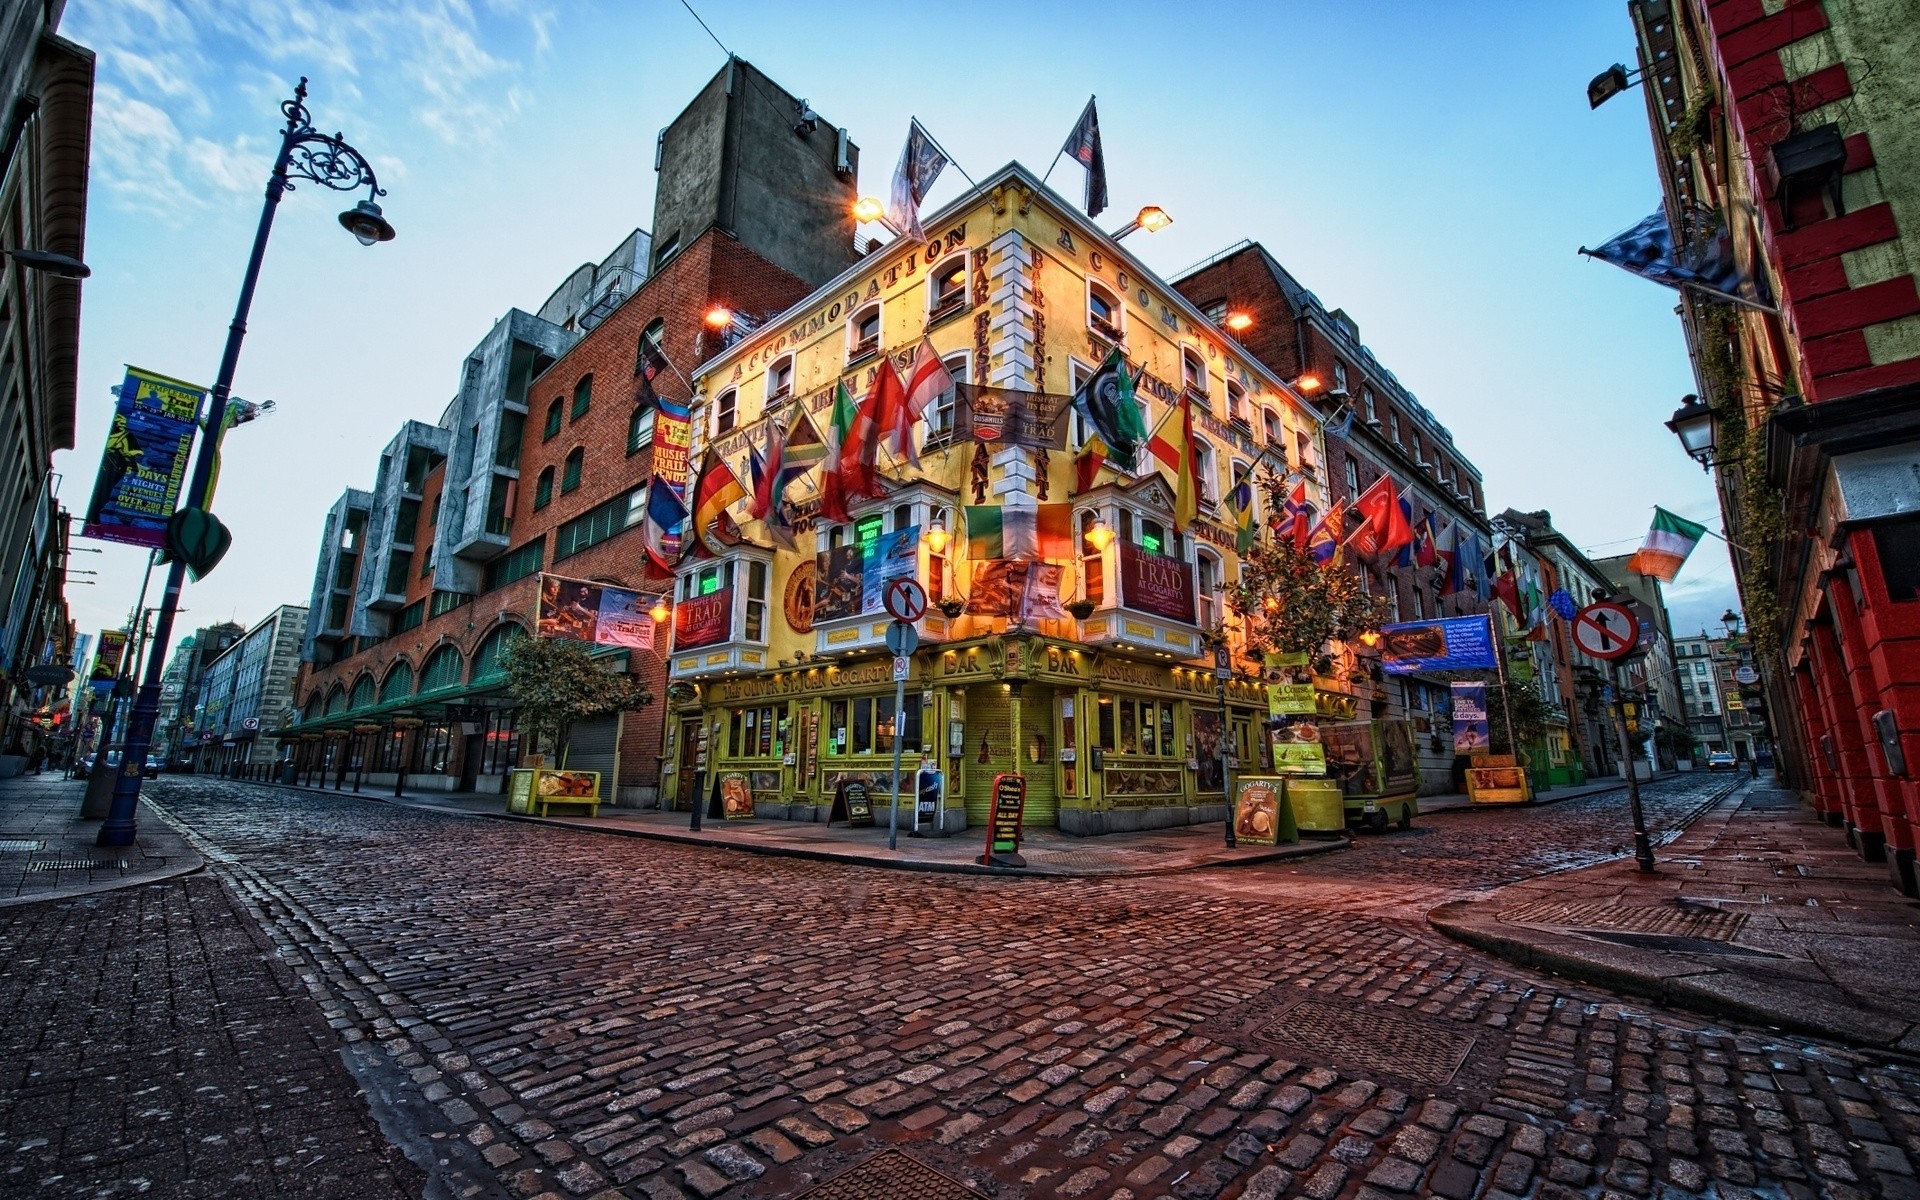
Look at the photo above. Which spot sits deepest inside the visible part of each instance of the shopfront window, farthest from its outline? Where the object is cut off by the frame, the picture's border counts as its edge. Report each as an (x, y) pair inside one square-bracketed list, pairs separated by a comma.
[(867, 726), (1131, 726), (756, 732)]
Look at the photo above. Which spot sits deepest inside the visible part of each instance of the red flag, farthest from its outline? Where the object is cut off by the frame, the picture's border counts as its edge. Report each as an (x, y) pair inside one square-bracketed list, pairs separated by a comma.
[(767, 480), (1383, 523), (1506, 585), (1425, 552), (884, 407)]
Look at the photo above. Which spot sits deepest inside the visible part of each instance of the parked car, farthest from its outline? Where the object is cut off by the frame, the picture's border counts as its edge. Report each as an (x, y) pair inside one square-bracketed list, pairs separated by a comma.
[(155, 765), (1720, 760)]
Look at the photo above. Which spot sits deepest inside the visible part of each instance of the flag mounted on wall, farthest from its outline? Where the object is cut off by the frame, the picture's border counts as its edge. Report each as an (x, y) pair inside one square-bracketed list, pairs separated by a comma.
[(1106, 403), (1029, 531), (1083, 147), (921, 161), (716, 489), (1668, 544)]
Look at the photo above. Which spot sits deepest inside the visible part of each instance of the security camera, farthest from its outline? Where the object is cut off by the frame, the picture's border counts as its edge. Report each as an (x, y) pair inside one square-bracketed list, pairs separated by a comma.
[(809, 120)]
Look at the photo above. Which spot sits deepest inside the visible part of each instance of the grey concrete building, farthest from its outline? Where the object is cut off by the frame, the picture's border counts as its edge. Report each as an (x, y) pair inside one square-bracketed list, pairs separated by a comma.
[(246, 694)]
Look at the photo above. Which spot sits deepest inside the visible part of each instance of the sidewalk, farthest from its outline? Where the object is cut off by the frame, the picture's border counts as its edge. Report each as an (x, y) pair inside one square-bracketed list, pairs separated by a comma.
[(1457, 801), (47, 852), (1759, 912), (1048, 852)]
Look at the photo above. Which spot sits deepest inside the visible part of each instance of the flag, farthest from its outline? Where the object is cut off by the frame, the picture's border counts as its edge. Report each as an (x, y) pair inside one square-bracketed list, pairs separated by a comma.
[(1297, 516), (1706, 260), (897, 411), (1452, 560), (1041, 596), (1506, 584), (1023, 590), (1323, 541), (921, 161), (1088, 464), (1083, 147), (1028, 531), (716, 488), (1668, 544), (1341, 423), (1173, 445), (653, 361), (661, 532), (1483, 558), (833, 485), (927, 380), (862, 450), (1383, 524), (768, 471), (1240, 500), (1408, 551), (1426, 550), (1106, 403)]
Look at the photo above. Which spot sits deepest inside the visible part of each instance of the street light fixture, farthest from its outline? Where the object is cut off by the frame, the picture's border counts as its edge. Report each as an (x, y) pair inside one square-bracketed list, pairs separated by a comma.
[(1730, 620), (64, 265), (1693, 424), (305, 153), (660, 612), (1151, 218)]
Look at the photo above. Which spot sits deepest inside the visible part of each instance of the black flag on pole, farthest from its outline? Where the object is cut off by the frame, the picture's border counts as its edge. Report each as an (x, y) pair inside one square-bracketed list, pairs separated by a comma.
[(1083, 147)]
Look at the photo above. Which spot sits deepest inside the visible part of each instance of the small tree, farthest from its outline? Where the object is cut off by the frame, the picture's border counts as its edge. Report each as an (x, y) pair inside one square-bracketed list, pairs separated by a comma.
[(558, 683), (1288, 602), (1527, 704)]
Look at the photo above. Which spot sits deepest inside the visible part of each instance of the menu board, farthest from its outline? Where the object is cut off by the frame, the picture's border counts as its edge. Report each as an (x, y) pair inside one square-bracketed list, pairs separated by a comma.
[(1003, 822)]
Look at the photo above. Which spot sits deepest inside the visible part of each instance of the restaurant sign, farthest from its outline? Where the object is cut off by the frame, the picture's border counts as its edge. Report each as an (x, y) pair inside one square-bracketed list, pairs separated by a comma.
[(704, 620)]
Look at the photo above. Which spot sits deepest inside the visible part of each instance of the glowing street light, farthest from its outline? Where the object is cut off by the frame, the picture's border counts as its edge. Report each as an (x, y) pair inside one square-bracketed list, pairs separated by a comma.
[(1151, 218)]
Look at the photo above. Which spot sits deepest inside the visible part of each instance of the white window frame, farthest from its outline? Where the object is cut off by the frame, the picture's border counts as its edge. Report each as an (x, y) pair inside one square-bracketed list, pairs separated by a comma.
[(774, 369), (1190, 356), (1077, 375), (940, 413), (934, 307), (1273, 428), (1208, 607), (1237, 402), (1206, 467), (1114, 333), (1339, 376), (855, 342), (727, 405), (1367, 403)]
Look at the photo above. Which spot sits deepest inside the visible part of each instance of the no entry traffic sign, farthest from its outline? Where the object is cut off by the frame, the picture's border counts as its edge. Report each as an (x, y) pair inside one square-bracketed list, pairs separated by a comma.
[(906, 600), (1606, 630)]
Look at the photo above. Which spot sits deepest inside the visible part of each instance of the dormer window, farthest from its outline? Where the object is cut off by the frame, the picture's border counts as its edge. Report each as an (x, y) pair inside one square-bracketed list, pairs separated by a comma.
[(863, 333), (1193, 372), (1105, 314), (780, 379), (949, 288), (725, 411)]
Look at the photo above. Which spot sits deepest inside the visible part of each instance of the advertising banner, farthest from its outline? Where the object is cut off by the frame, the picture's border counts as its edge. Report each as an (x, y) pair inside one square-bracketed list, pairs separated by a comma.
[(1299, 748), (145, 461), (672, 445), (593, 612), (1471, 733), (1026, 591), (106, 661), (1447, 644), (1261, 814), (1156, 584), (704, 620), (852, 580), (1290, 686)]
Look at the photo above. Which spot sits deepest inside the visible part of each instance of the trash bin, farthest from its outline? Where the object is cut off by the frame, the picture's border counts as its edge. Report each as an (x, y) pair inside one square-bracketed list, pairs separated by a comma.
[(1318, 805)]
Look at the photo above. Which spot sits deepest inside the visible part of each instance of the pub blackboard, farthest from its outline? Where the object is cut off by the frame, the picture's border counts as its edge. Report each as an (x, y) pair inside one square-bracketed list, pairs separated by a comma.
[(1003, 822)]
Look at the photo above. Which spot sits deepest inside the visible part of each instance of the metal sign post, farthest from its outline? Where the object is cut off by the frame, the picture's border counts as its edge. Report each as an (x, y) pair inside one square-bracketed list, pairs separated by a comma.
[(903, 639), (1642, 848), (1222, 672)]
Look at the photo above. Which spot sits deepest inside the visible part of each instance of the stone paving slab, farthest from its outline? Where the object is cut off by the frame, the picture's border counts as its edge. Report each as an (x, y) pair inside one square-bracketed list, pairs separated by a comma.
[(1823, 945), (47, 852)]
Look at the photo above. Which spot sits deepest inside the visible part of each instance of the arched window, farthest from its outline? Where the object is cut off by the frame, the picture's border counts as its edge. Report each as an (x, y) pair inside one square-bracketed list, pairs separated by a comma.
[(652, 349), (552, 429), (543, 490), (582, 398), (399, 684), (1203, 470), (490, 660), (948, 292), (576, 461), (362, 693), (1236, 401), (1276, 432), (336, 700), (316, 707), (725, 410), (1193, 371), (442, 669), (640, 429), (1207, 598), (1106, 316), (780, 380), (863, 332)]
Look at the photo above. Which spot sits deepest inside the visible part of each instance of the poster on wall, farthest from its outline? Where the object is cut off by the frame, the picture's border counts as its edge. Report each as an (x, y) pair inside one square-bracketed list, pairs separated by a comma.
[(145, 461), (1471, 732), (1290, 686), (582, 611), (852, 580), (1156, 584), (703, 620), (1447, 644)]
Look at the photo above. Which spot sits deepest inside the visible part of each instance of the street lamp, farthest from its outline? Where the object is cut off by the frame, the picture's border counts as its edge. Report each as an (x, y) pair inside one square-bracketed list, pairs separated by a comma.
[(1730, 620), (319, 158), (1151, 218), (1693, 424)]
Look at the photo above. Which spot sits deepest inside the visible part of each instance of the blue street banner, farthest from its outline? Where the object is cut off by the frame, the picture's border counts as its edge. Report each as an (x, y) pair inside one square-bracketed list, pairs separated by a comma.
[(1446, 644), (145, 462), (1471, 733)]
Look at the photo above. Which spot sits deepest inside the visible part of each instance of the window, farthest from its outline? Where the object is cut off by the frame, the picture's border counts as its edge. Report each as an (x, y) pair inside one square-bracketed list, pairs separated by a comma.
[(1215, 312), (553, 422), (1236, 402), (640, 430), (570, 478), (399, 682), (665, 249), (1205, 476), (1206, 591), (426, 561), (490, 660), (1193, 372), (653, 341), (515, 564), (1353, 480), (445, 602), (724, 411), (599, 523), (940, 412), (1896, 543), (1303, 452), (1129, 726), (410, 617), (1153, 536), (949, 290), (1393, 426), (780, 379), (872, 728), (1105, 314), (863, 333), (543, 490), (1275, 431), (756, 623), (1366, 403), (1339, 376), (1092, 578), (582, 398)]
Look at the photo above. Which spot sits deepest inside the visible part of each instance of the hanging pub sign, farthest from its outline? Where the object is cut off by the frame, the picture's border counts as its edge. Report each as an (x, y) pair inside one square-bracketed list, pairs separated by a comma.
[(1446, 644), (581, 611), (1156, 584), (703, 620), (145, 461), (1471, 732), (1037, 420)]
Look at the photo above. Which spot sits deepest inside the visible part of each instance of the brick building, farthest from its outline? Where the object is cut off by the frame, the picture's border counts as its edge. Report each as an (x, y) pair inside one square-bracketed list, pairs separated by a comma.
[(542, 462), (1788, 128), (1297, 337)]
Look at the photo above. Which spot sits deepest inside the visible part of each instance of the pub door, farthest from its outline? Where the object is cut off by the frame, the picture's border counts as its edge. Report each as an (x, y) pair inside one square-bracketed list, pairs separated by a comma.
[(692, 730)]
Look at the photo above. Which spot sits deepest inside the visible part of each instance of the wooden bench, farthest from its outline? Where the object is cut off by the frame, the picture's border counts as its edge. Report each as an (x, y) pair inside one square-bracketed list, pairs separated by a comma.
[(542, 803)]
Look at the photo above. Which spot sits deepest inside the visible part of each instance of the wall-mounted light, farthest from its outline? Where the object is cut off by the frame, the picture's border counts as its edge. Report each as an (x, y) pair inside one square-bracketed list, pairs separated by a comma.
[(1099, 536), (937, 536), (1308, 384), (660, 611), (1608, 84), (718, 317), (1151, 218), (1239, 322)]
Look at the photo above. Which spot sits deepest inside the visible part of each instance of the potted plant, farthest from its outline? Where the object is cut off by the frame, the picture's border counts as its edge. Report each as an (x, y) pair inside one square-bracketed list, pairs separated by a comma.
[(1081, 609), (953, 606)]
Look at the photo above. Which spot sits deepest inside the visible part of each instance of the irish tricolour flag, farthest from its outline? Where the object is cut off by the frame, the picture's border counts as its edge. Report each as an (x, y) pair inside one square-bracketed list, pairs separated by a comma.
[(1668, 543), (1033, 531)]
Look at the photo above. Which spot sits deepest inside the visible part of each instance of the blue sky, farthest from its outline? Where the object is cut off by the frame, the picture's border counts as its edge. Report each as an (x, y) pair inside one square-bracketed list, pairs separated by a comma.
[(1429, 168)]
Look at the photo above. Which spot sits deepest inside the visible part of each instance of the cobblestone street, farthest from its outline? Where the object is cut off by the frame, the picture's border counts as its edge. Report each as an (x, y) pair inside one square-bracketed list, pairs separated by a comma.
[(596, 1016)]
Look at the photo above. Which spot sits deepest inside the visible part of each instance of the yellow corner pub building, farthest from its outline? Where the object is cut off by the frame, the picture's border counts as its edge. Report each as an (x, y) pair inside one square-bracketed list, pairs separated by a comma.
[(1113, 717)]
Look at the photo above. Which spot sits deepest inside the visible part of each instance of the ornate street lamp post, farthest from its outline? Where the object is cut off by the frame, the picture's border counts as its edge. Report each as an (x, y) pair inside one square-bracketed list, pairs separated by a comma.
[(318, 158)]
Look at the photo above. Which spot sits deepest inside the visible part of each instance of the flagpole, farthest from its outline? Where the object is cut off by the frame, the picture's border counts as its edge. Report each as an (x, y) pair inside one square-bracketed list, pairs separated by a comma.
[(951, 160), (1730, 298), (1058, 155)]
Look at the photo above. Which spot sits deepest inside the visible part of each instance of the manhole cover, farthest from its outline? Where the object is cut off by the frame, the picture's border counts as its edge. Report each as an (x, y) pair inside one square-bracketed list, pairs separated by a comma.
[(1367, 1037), (18, 844), (891, 1175), (76, 864), (1672, 921), (1680, 945)]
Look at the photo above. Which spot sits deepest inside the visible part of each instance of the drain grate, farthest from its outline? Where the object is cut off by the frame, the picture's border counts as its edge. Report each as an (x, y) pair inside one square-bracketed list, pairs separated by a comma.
[(19, 844), (1709, 924), (891, 1175), (1681, 945), (1369, 1038), (77, 864)]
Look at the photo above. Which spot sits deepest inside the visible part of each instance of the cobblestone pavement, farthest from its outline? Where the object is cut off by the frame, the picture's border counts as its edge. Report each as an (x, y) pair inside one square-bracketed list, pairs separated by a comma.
[(608, 1017), (151, 1047)]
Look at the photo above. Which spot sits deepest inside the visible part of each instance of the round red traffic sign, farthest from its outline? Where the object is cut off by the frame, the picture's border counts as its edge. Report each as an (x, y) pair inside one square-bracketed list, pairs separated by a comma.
[(1606, 630), (906, 600)]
